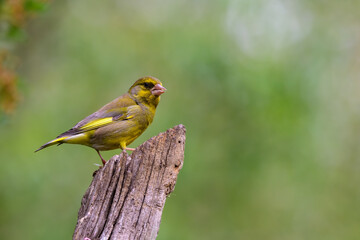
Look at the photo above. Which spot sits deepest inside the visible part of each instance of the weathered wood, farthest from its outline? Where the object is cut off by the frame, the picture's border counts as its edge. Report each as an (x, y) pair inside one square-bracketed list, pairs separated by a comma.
[(126, 197)]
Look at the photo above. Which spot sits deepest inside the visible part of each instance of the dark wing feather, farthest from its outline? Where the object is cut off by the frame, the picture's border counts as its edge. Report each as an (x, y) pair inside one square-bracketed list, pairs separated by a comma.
[(116, 109)]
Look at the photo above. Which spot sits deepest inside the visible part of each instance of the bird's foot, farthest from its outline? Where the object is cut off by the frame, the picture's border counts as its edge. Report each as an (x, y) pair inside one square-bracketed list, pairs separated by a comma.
[(102, 159), (130, 149)]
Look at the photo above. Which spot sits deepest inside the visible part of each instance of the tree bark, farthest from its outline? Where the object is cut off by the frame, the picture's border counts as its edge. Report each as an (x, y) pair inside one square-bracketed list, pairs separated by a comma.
[(126, 197)]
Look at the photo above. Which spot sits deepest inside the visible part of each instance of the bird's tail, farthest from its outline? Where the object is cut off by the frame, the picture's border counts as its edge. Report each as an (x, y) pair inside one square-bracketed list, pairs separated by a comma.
[(53, 142)]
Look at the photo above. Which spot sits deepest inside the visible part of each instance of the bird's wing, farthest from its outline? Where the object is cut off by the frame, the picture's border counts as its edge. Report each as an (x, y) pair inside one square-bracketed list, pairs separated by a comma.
[(118, 110)]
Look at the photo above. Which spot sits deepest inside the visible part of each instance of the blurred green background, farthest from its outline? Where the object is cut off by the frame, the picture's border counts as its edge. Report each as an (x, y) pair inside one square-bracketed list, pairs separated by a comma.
[(268, 91)]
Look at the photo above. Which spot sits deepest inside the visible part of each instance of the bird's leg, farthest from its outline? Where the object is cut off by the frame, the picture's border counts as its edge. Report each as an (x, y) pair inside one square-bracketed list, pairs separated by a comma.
[(103, 161), (124, 148)]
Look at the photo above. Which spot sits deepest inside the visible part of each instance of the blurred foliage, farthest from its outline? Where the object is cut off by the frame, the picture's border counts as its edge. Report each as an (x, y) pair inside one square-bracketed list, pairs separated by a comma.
[(268, 91), (13, 17), (8, 89)]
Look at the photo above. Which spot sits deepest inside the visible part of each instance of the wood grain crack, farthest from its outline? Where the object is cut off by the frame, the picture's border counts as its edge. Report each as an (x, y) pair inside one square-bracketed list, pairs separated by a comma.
[(126, 197)]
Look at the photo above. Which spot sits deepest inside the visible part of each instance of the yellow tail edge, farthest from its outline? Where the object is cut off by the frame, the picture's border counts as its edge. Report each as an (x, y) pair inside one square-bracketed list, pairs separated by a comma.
[(53, 142)]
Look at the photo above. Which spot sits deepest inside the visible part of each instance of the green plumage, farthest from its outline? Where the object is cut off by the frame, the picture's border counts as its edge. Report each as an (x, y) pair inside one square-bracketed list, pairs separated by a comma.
[(118, 123)]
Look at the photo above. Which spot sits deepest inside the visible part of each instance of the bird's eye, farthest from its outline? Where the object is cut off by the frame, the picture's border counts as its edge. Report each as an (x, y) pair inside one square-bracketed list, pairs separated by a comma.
[(148, 85)]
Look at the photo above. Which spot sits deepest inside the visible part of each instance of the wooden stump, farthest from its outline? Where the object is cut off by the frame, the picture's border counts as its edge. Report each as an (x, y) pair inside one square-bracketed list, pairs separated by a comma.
[(126, 197)]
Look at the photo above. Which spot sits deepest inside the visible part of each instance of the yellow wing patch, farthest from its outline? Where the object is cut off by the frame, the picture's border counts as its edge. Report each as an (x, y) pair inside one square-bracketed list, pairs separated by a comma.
[(97, 123), (102, 122)]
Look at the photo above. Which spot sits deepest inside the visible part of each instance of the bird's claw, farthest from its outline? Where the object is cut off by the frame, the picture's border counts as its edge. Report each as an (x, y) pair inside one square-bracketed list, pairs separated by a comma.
[(130, 149)]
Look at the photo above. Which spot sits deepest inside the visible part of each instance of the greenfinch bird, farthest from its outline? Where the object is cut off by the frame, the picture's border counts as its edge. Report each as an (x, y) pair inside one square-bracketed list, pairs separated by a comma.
[(118, 123)]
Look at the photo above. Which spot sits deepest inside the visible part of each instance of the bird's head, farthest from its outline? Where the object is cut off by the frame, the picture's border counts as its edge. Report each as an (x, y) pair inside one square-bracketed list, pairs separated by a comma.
[(147, 90)]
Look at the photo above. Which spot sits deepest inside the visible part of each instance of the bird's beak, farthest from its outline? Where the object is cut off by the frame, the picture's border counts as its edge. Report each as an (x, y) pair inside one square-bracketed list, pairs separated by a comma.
[(157, 90)]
